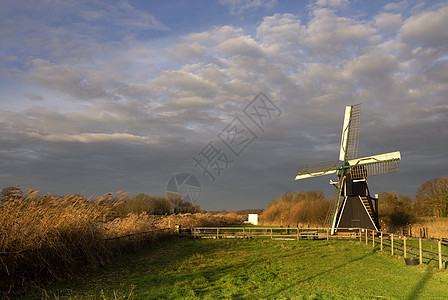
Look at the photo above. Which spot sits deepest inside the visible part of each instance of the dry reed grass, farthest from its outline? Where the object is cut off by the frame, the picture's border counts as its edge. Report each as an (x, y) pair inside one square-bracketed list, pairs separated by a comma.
[(437, 228), (202, 220), (311, 212), (47, 238), (132, 224)]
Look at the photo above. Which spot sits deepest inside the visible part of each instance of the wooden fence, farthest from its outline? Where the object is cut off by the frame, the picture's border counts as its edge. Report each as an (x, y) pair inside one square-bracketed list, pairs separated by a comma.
[(424, 249), (143, 235)]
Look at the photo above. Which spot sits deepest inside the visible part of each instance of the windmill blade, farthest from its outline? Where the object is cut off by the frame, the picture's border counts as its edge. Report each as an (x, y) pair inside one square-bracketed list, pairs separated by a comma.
[(316, 169), (334, 202), (375, 165), (350, 132)]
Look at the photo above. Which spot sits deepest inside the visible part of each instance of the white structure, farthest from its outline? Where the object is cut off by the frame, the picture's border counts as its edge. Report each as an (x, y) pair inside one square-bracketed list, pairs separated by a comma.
[(253, 218)]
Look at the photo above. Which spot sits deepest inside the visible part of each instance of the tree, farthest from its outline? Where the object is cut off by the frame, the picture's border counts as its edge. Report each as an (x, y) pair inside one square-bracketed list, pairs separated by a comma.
[(395, 209), (431, 198)]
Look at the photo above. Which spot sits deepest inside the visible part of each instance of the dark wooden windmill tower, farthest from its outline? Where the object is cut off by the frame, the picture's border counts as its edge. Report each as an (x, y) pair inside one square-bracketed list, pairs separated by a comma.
[(354, 206)]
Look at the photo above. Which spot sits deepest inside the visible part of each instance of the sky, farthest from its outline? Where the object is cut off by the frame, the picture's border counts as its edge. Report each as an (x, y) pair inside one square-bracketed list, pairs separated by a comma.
[(219, 99)]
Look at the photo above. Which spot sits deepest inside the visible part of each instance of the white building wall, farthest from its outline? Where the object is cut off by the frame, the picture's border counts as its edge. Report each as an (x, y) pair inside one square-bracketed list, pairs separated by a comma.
[(253, 218)]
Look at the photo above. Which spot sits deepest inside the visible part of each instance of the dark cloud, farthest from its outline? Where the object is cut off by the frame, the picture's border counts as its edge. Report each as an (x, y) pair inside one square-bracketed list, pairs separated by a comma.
[(130, 114)]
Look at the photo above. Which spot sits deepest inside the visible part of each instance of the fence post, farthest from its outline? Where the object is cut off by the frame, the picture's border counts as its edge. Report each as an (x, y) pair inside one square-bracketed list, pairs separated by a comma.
[(217, 233), (367, 236), (328, 234), (360, 235), (420, 251), (373, 238), (271, 233), (381, 241), (404, 245), (297, 233), (392, 244), (440, 254)]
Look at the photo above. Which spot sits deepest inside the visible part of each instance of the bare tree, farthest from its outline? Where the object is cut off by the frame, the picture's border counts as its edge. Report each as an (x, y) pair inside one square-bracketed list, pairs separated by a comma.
[(431, 198)]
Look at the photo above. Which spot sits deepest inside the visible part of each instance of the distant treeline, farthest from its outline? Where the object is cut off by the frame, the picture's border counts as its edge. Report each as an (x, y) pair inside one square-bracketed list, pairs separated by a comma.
[(124, 205), (156, 205), (395, 210), (241, 212)]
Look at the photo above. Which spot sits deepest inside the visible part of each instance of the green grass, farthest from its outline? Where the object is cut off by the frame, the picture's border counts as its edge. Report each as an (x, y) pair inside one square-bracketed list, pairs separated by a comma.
[(413, 245), (183, 268)]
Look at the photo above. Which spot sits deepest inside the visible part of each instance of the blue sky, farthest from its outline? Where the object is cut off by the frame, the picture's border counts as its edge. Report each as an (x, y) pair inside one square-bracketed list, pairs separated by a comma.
[(99, 96)]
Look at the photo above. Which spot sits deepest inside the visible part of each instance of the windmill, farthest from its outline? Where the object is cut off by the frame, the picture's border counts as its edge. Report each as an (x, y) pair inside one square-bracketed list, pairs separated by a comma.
[(354, 207)]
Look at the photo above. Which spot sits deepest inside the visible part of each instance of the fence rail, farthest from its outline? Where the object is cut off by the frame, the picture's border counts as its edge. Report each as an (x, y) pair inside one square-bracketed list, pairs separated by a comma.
[(426, 249)]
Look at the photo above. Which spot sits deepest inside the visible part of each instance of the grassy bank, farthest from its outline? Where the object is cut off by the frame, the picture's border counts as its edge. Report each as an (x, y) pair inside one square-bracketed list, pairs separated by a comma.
[(252, 269)]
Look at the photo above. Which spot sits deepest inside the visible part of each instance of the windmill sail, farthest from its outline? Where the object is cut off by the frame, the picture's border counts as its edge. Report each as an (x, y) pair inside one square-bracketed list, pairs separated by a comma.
[(316, 169), (374, 165), (350, 132)]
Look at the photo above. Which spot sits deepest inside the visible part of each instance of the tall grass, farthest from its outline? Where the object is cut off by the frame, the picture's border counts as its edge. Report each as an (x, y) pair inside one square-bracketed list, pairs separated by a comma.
[(203, 219), (437, 228), (309, 211), (47, 238)]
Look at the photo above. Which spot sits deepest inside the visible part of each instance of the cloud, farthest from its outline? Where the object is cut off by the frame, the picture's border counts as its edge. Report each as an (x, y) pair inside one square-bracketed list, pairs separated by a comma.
[(186, 51), (334, 4), (94, 138), (241, 46), (67, 30), (32, 96), (129, 111), (328, 33), (427, 29), (239, 6), (400, 6), (373, 69), (183, 84), (280, 29), (88, 83), (129, 16), (388, 21), (79, 83), (214, 36), (439, 72)]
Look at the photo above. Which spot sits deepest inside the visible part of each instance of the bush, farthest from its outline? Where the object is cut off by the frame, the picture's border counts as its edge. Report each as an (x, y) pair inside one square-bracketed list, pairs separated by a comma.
[(395, 211), (296, 209)]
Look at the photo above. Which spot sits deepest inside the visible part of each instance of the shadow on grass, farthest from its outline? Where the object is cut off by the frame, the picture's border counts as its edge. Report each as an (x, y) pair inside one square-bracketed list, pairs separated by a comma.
[(421, 284), (281, 290), (171, 251), (212, 273)]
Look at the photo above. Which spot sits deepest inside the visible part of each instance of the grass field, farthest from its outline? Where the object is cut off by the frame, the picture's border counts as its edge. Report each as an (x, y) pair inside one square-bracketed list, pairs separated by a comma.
[(183, 268)]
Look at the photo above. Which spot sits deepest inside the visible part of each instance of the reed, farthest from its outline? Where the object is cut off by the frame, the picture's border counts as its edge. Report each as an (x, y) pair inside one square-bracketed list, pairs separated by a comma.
[(47, 238), (437, 228)]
